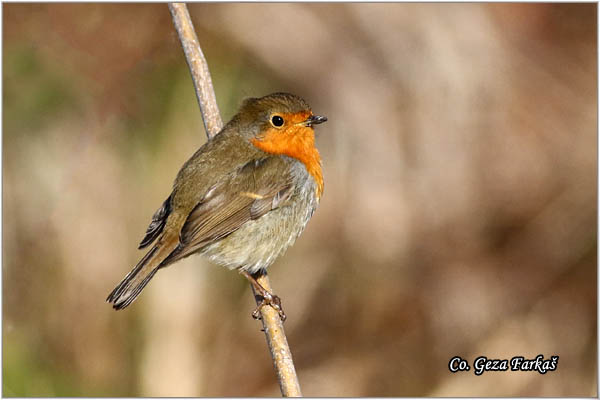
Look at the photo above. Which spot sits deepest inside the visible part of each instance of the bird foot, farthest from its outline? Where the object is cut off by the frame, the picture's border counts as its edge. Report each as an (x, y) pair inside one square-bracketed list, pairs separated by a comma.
[(269, 299), (266, 298)]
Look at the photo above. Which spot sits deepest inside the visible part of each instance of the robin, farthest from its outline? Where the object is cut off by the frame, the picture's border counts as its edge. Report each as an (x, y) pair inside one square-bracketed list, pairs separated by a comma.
[(241, 200)]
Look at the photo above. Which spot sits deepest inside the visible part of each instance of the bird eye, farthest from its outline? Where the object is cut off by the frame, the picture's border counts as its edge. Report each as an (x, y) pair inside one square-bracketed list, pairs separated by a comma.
[(277, 121)]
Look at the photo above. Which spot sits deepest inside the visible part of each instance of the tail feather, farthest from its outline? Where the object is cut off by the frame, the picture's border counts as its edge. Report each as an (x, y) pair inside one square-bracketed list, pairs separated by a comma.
[(128, 298), (133, 283)]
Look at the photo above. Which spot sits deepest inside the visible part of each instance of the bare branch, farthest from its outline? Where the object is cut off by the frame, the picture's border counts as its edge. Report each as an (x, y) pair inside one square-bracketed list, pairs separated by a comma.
[(273, 327), (278, 345), (198, 68)]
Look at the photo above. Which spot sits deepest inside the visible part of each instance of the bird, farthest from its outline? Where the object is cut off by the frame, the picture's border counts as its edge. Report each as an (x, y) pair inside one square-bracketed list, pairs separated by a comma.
[(242, 198)]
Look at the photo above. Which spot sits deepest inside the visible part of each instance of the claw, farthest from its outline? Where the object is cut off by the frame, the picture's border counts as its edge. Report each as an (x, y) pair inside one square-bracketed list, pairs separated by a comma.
[(256, 312), (270, 300), (276, 304)]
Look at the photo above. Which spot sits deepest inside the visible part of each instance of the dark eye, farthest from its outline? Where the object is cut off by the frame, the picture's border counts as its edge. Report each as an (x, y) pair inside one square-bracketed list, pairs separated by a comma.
[(276, 120)]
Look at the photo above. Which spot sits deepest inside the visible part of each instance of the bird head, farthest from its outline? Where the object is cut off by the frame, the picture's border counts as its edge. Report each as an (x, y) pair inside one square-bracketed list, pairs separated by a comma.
[(282, 123)]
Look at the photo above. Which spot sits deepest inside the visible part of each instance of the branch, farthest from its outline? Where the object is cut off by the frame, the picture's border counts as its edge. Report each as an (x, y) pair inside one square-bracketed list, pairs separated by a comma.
[(272, 325), (278, 345), (198, 68)]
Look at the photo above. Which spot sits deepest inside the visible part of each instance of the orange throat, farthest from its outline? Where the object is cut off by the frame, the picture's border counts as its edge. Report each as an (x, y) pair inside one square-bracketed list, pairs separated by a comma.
[(298, 142)]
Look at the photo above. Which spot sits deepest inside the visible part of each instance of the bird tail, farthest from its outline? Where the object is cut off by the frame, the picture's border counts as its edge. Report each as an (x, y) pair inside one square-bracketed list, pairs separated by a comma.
[(133, 283)]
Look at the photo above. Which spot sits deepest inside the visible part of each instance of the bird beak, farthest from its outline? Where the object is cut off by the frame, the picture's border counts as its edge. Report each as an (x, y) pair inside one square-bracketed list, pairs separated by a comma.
[(314, 120)]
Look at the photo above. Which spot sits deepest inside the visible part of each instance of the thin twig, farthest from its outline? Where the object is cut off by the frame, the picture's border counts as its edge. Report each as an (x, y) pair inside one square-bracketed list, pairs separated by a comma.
[(278, 345), (272, 325), (198, 68)]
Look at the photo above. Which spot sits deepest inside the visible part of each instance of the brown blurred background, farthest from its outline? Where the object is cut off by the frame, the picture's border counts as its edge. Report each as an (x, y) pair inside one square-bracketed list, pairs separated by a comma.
[(459, 213)]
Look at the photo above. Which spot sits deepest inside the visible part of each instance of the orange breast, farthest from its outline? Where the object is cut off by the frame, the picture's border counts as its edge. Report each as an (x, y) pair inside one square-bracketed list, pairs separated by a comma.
[(295, 141)]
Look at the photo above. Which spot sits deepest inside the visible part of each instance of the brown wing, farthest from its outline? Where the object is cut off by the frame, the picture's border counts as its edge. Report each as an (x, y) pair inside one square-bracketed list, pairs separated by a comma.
[(158, 223), (248, 193)]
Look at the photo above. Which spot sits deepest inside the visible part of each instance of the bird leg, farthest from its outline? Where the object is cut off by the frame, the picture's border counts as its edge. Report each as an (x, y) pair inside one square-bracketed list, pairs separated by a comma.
[(268, 298)]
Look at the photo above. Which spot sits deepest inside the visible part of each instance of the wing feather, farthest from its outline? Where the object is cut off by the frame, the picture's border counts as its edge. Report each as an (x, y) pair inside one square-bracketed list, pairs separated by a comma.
[(246, 194), (158, 223)]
